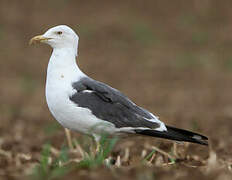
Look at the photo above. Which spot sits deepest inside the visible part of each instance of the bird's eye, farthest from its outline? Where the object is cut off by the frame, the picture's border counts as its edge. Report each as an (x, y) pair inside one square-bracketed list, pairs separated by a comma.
[(59, 32)]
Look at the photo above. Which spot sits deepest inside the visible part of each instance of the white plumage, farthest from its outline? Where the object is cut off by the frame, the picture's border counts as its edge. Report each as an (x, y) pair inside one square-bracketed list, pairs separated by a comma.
[(79, 103)]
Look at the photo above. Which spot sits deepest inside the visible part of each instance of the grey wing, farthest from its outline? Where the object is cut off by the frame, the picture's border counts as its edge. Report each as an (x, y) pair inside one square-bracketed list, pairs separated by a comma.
[(110, 105)]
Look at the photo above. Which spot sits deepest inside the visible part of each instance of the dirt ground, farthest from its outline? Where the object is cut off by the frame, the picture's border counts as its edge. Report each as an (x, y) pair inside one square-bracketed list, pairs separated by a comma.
[(172, 58)]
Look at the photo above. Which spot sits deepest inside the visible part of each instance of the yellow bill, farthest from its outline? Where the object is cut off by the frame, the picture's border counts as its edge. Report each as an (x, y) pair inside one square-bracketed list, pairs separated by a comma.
[(38, 39)]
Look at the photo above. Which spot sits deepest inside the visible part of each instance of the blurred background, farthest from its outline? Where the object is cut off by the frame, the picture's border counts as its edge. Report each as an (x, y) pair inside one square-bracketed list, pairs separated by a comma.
[(173, 58)]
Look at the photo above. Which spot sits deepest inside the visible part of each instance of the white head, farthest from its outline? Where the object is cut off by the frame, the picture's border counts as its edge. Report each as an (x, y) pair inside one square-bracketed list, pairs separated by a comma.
[(57, 37)]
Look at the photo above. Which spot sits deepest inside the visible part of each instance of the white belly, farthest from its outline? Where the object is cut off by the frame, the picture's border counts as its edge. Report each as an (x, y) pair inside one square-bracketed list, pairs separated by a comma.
[(69, 115), (61, 73)]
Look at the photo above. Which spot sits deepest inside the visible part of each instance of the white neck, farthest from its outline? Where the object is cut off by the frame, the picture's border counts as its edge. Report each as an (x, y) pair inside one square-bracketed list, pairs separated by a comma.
[(62, 68)]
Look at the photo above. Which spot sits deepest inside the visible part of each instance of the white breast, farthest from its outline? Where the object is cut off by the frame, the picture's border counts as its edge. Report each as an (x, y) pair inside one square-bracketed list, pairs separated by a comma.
[(60, 75)]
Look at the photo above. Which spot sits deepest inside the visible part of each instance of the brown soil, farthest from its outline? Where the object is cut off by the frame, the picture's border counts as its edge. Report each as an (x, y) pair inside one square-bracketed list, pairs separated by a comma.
[(172, 58)]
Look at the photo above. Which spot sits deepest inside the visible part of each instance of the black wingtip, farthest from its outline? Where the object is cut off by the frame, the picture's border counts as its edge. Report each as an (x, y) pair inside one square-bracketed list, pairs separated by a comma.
[(200, 139), (176, 134), (188, 136)]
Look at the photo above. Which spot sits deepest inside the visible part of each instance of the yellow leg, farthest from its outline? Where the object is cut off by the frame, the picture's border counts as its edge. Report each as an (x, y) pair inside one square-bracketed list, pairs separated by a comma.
[(98, 147), (69, 139), (97, 140)]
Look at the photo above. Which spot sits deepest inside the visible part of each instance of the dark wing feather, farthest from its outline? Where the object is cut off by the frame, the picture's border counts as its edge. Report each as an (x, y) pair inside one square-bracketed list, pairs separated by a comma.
[(177, 134), (110, 105)]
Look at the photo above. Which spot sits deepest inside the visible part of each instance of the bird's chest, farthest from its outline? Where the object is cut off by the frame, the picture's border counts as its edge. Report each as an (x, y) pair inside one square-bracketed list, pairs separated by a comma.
[(67, 113), (57, 97), (58, 91)]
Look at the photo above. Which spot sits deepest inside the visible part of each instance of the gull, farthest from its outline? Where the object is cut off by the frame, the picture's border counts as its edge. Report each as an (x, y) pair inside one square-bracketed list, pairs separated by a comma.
[(87, 106)]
